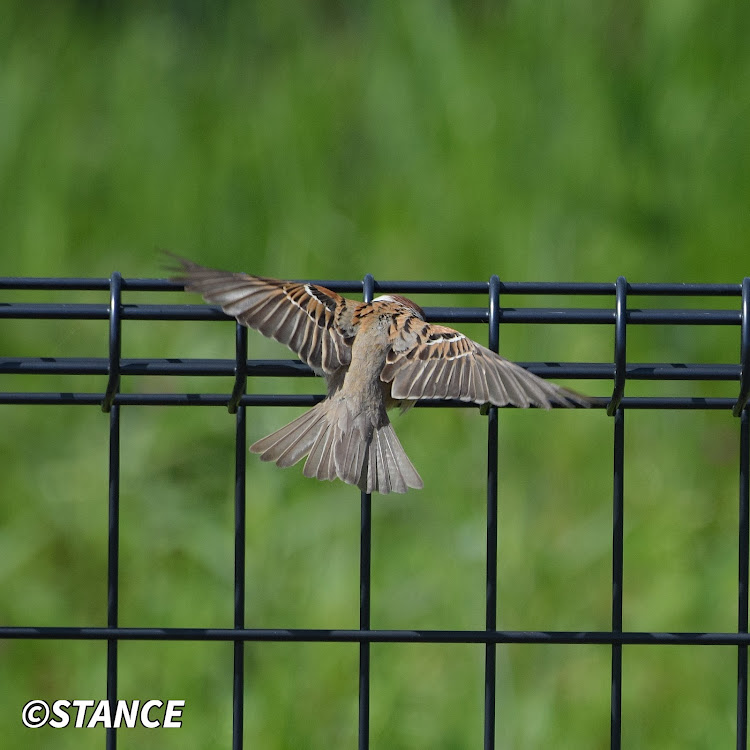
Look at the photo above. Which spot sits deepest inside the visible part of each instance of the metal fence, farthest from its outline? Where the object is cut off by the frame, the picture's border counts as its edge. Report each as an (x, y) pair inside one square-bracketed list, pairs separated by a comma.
[(616, 311)]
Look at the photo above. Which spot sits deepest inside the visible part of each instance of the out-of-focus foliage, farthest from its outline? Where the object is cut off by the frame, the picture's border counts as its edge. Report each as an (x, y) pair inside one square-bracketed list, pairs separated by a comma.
[(414, 140)]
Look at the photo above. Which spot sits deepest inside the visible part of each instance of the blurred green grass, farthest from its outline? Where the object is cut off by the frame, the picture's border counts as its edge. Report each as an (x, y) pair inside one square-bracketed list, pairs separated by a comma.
[(413, 141)]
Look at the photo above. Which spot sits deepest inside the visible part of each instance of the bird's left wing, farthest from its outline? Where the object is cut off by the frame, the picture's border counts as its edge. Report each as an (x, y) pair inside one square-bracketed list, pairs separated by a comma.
[(314, 322), (433, 361)]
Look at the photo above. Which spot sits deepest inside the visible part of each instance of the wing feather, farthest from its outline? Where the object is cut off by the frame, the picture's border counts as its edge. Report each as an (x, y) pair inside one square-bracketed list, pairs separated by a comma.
[(314, 322), (433, 361)]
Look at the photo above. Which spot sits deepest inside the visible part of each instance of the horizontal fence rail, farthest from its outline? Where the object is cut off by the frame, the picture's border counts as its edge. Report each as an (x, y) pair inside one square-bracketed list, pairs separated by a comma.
[(317, 635), (621, 305)]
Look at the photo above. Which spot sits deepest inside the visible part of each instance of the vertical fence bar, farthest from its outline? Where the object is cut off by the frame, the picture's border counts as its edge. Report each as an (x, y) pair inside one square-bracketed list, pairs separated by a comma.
[(744, 524), (744, 544), (614, 409), (365, 560), (365, 541), (740, 410), (240, 461), (113, 554), (113, 531), (617, 578), (490, 655), (238, 689)]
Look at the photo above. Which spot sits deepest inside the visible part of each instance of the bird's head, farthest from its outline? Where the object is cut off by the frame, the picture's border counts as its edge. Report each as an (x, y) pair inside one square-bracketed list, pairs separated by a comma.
[(404, 301)]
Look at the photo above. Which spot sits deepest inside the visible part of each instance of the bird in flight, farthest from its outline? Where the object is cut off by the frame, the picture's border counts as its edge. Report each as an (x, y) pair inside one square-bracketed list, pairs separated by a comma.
[(374, 356)]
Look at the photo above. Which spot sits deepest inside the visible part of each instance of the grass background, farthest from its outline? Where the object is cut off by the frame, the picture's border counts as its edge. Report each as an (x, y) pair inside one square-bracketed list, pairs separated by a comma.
[(420, 140)]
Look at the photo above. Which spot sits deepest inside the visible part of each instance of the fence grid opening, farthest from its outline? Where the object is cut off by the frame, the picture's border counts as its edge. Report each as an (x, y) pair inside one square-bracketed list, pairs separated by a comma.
[(622, 306)]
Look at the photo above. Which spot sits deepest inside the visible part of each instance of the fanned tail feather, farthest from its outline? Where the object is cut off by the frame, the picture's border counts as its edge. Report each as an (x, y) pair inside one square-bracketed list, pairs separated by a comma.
[(388, 468), (293, 441), (340, 446)]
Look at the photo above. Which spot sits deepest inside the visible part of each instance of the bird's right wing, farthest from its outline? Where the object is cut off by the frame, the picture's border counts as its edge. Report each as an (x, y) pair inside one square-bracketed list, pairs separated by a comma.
[(314, 322), (433, 361)]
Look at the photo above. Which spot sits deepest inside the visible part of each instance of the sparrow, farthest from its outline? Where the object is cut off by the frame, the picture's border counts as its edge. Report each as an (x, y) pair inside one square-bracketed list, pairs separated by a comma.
[(374, 356)]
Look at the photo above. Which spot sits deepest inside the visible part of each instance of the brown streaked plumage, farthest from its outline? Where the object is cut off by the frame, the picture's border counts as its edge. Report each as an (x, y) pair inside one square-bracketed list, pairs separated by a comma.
[(373, 357)]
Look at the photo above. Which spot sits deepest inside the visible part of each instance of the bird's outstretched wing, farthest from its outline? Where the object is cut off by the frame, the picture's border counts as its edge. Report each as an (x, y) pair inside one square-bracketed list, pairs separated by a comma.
[(433, 361), (314, 322)]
